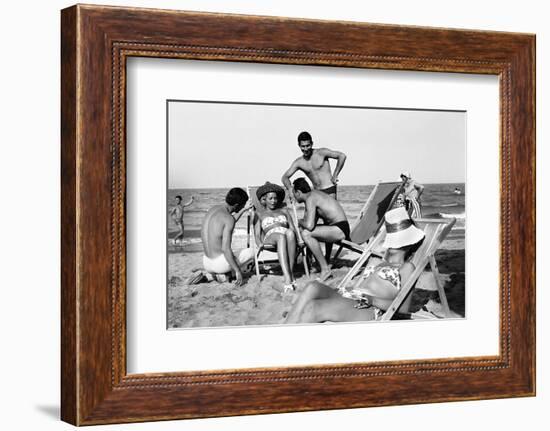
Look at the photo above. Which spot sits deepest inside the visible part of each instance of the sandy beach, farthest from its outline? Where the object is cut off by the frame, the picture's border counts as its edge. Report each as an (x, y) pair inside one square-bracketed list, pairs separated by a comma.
[(262, 302)]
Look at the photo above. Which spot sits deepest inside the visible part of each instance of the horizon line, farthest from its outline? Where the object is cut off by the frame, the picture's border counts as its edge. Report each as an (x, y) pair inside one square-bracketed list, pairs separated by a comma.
[(339, 185)]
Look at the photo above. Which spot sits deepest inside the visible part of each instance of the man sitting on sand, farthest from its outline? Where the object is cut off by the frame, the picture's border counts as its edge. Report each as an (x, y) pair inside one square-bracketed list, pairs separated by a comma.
[(314, 162), (217, 234), (336, 227)]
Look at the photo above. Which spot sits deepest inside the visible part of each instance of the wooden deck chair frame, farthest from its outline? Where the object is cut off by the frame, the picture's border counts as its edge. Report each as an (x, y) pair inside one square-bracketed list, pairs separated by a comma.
[(443, 228), (358, 248), (262, 262), (368, 251), (424, 256)]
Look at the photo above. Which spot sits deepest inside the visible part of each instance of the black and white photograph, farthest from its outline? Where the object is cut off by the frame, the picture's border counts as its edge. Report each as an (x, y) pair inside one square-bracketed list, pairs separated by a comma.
[(283, 214)]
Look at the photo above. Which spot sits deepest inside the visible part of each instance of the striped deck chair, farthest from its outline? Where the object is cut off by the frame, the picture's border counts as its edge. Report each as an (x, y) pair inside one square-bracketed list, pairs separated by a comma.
[(435, 230), (371, 217)]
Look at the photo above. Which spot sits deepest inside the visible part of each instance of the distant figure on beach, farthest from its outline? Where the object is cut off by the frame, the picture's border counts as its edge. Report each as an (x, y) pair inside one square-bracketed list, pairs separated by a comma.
[(336, 227), (314, 162), (375, 290), (457, 191), (177, 215), (274, 226), (217, 234), (412, 191)]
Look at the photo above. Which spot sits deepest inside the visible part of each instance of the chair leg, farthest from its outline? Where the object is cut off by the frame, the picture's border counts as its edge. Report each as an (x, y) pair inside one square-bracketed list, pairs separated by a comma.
[(304, 260), (440, 289), (256, 264), (338, 252)]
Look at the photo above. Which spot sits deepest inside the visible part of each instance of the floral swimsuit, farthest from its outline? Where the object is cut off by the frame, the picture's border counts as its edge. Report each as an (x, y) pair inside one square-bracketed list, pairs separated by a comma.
[(276, 224), (359, 294)]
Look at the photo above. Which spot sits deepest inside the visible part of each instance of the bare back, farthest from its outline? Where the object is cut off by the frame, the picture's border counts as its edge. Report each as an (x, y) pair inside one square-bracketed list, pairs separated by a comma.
[(326, 207), (317, 168), (216, 221)]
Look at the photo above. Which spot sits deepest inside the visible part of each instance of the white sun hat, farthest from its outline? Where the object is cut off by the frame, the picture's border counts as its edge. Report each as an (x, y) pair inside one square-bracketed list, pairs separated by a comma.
[(400, 229)]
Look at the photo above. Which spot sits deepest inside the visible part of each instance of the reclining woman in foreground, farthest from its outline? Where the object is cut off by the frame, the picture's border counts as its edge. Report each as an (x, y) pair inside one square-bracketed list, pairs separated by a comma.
[(275, 227), (374, 291)]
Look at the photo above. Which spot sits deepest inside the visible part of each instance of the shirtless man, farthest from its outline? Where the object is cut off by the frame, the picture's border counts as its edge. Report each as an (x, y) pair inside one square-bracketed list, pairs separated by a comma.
[(217, 232), (324, 206), (177, 216), (314, 162)]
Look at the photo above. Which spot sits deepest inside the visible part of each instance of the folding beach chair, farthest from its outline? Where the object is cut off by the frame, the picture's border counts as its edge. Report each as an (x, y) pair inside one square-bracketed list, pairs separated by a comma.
[(435, 230), (371, 217)]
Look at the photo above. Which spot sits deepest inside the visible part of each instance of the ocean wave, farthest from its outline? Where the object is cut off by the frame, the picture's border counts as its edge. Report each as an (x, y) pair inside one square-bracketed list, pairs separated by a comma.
[(459, 216), (185, 241)]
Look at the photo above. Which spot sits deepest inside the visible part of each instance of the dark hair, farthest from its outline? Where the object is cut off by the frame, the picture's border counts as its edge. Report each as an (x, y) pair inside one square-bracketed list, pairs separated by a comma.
[(412, 249), (236, 196), (304, 136), (300, 184), (179, 197)]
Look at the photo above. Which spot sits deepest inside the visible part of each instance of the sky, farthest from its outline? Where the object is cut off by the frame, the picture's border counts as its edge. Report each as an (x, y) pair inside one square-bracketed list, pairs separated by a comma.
[(220, 145)]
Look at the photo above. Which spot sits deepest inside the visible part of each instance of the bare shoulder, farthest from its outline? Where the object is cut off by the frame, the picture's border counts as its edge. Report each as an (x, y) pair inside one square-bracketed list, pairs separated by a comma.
[(228, 219), (298, 162), (407, 268), (323, 151), (315, 197), (220, 215)]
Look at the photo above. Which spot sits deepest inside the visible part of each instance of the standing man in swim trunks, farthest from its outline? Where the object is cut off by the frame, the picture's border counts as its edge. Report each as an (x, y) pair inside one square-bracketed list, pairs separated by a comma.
[(217, 234), (177, 216), (314, 162), (323, 206)]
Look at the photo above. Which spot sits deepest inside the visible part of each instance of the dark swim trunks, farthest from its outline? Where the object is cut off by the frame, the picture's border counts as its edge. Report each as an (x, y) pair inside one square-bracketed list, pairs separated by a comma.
[(344, 227), (330, 190)]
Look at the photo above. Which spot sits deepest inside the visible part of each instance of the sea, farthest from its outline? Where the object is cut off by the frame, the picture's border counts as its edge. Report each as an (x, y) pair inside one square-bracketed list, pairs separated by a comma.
[(438, 200)]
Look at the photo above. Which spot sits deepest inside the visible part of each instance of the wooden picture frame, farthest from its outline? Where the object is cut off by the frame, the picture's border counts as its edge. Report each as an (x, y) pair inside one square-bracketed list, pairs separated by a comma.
[(95, 43)]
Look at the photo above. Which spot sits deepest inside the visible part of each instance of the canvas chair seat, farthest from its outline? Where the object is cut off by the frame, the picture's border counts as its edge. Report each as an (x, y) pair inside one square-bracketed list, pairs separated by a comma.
[(371, 218)]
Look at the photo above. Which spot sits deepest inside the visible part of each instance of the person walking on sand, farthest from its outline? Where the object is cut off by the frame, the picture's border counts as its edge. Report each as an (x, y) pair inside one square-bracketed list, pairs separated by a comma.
[(335, 228), (217, 234), (177, 215), (412, 191), (314, 162)]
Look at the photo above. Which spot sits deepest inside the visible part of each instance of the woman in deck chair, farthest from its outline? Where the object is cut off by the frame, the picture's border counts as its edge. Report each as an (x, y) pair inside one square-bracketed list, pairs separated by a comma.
[(274, 227), (373, 291)]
